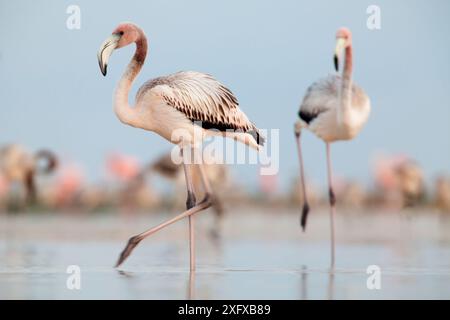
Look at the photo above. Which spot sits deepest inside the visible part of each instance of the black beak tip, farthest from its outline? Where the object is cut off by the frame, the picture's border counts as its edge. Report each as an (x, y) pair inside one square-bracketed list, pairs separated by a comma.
[(336, 63), (104, 71)]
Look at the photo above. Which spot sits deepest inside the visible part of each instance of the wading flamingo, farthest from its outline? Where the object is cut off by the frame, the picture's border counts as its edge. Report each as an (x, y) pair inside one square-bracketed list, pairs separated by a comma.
[(334, 109), (183, 108), (17, 164)]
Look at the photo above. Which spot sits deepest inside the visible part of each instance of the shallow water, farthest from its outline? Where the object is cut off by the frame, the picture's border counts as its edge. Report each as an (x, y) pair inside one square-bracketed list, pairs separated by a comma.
[(258, 256)]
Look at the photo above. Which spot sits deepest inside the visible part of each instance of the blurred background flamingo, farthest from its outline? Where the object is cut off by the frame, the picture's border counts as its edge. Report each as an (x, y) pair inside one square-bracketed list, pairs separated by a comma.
[(65, 190), (131, 180), (399, 182), (442, 193), (19, 166)]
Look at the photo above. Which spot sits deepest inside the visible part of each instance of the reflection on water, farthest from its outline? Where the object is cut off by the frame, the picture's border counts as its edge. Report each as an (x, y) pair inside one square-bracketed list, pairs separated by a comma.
[(262, 257), (191, 286), (304, 284), (330, 295)]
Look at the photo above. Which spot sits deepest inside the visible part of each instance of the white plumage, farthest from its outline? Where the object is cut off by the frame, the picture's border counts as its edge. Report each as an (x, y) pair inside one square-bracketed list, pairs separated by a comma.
[(321, 108), (183, 108), (192, 100), (333, 109)]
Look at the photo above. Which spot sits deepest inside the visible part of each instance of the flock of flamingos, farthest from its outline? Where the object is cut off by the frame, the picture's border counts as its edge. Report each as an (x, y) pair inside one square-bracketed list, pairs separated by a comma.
[(186, 107)]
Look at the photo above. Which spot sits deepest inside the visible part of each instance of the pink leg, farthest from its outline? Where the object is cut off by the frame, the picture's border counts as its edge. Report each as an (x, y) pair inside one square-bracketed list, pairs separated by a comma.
[(191, 243), (205, 180), (332, 198), (191, 286), (305, 209), (216, 203), (210, 195), (190, 203), (135, 240)]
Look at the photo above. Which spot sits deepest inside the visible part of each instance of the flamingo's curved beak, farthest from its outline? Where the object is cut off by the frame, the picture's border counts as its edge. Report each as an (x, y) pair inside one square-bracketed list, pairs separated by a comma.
[(340, 45), (106, 49)]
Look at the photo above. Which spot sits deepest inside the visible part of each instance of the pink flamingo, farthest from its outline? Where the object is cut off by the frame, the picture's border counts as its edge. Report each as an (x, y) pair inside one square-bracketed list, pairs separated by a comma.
[(4, 187), (268, 184), (400, 179), (442, 193), (178, 107), (68, 186), (128, 171), (123, 167), (334, 109)]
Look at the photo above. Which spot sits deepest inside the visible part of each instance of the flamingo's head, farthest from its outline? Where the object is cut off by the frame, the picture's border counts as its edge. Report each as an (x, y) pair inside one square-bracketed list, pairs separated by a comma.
[(123, 35), (343, 40)]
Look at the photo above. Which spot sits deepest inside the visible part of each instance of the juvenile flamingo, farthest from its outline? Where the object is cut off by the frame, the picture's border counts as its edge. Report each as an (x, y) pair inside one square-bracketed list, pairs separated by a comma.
[(17, 164), (333, 109), (183, 108)]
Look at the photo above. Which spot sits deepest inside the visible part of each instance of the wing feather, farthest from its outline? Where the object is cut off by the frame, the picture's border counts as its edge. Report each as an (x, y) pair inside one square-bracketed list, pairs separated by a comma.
[(202, 99), (323, 95)]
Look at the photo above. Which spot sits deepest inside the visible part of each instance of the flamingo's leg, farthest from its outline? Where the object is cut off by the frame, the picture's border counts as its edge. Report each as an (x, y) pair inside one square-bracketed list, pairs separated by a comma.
[(191, 286), (305, 209), (219, 210), (190, 203), (212, 197), (332, 199), (134, 241)]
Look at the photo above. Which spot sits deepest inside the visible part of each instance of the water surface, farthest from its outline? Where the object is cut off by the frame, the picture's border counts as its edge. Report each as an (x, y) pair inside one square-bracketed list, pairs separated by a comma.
[(258, 256)]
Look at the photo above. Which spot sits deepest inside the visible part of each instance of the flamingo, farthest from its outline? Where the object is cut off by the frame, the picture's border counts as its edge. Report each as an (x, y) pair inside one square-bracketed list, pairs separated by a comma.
[(122, 167), (183, 108), (333, 109), (127, 170), (17, 164), (3, 191), (400, 181), (67, 188), (442, 193)]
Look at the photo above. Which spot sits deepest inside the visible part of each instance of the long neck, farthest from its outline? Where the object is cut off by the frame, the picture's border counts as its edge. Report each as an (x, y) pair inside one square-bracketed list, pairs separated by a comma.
[(122, 108), (346, 82)]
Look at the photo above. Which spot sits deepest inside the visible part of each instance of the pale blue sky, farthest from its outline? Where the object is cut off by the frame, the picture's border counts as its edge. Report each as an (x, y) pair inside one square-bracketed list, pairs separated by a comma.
[(267, 52)]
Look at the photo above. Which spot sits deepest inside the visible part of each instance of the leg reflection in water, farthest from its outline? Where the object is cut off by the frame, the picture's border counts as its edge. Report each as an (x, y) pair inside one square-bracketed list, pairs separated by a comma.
[(191, 287)]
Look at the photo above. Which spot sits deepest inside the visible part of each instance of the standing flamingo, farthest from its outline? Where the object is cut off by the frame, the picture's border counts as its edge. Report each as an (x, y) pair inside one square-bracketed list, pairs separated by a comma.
[(333, 109), (17, 164), (183, 108)]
